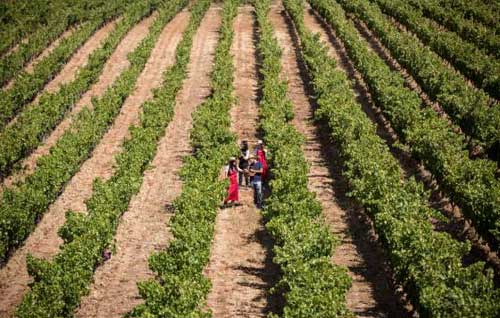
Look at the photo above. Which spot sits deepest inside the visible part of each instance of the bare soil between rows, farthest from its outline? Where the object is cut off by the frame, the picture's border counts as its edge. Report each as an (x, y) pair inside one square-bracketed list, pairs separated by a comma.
[(67, 74), (372, 293), (143, 228), (456, 224), (29, 67), (240, 267), (44, 241)]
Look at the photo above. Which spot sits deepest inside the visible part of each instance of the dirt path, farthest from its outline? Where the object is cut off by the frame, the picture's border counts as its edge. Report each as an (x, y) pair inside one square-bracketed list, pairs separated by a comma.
[(371, 294), (44, 241), (79, 59), (240, 265), (112, 69), (31, 64), (375, 45), (143, 228), (458, 226), (14, 48)]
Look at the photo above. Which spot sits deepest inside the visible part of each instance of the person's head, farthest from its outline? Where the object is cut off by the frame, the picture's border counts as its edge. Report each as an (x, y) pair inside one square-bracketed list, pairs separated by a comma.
[(244, 145), (232, 161), (252, 159), (260, 144)]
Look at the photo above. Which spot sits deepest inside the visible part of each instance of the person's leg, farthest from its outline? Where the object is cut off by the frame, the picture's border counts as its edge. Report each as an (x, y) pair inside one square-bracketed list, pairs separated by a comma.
[(258, 191), (240, 178), (254, 185)]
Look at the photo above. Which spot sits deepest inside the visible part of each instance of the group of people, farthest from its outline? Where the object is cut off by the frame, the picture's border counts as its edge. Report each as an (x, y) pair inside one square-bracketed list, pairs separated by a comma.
[(250, 168)]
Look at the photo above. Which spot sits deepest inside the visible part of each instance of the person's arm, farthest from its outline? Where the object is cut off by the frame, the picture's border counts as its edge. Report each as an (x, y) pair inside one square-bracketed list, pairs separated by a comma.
[(258, 170)]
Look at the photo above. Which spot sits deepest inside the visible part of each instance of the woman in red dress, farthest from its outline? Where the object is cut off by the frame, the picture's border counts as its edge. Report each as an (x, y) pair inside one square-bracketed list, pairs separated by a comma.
[(233, 191), (260, 152)]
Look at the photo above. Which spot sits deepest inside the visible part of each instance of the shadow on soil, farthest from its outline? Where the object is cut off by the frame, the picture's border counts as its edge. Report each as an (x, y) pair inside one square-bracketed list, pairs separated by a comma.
[(391, 302)]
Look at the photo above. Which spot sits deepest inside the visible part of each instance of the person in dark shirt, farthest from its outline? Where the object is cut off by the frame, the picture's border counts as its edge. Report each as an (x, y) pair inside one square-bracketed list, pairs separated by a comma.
[(255, 171), (243, 164)]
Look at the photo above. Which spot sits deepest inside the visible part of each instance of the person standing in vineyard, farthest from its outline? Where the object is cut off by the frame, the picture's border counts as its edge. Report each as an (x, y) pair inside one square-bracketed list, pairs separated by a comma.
[(243, 164), (255, 171), (260, 152), (231, 172)]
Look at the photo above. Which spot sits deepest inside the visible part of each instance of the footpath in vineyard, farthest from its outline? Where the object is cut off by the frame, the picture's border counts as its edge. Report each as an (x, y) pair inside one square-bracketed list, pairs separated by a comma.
[(240, 267), (70, 69), (14, 48), (112, 69), (143, 228), (44, 241), (371, 294), (455, 224), (31, 64), (80, 58)]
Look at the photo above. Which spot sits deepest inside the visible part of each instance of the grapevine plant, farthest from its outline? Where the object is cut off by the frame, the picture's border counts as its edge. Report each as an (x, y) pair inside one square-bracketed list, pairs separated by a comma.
[(427, 263), (480, 11), (311, 284), (32, 125), (482, 69), (68, 14), (27, 85), (468, 107), (180, 288), (60, 283), (470, 30), (472, 184), (22, 205)]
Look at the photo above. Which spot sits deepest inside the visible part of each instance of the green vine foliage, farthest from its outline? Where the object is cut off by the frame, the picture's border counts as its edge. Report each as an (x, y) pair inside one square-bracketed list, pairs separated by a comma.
[(427, 263), (32, 125), (480, 11), (482, 36), (468, 107), (471, 184), (60, 284), (61, 15), (21, 206), (180, 289), (27, 85), (482, 69), (310, 284)]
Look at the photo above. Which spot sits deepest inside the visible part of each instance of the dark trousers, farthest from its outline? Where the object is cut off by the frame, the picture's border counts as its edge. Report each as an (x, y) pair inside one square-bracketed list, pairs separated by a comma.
[(242, 176)]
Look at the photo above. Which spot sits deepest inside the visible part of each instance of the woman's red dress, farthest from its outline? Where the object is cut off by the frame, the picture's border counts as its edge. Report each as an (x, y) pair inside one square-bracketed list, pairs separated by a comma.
[(262, 158), (233, 194)]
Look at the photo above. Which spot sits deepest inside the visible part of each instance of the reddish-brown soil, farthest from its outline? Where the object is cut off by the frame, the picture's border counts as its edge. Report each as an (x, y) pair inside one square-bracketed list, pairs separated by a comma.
[(456, 225), (14, 48), (240, 265), (143, 228), (69, 71), (44, 241), (31, 64), (112, 69), (371, 294), (79, 59), (29, 67)]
